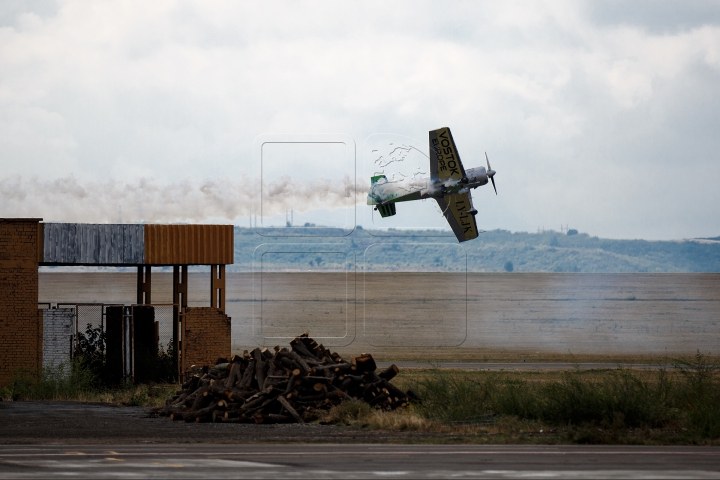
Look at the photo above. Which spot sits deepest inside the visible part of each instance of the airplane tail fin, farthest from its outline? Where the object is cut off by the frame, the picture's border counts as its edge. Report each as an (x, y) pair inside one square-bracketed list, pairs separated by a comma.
[(374, 180), (372, 198)]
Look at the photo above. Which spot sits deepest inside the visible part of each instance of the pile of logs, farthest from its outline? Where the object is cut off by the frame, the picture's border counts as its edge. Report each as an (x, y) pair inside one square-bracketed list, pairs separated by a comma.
[(282, 386)]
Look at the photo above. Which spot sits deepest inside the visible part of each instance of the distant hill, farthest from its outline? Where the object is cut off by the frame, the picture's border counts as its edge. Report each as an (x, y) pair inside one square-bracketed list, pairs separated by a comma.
[(494, 251)]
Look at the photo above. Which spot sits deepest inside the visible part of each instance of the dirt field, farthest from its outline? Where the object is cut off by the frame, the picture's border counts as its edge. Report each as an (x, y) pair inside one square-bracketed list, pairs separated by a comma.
[(483, 317)]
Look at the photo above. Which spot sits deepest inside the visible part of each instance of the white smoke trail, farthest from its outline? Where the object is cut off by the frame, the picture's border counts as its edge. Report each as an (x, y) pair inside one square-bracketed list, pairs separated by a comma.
[(148, 200)]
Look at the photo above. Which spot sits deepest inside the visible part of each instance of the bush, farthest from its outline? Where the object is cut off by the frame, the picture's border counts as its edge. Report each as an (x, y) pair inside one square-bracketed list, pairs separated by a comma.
[(90, 352)]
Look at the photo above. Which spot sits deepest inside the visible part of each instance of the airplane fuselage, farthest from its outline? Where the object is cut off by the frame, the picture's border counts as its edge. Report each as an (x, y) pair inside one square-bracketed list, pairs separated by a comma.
[(407, 189)]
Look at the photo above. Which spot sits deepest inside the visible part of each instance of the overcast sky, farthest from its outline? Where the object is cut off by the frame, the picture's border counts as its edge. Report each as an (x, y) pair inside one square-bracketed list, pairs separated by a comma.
[(604, 116)]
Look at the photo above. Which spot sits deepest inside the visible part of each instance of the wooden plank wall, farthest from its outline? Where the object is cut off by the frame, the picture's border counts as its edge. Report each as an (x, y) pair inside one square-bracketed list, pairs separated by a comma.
[(93, 244)]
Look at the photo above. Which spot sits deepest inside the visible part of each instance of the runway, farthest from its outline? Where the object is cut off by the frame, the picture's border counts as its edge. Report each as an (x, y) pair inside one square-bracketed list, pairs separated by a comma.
[(524, 366), (357, 461)]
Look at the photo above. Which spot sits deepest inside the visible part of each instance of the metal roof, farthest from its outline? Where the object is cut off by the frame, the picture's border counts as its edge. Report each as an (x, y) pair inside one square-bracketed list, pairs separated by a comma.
[(131, 244)]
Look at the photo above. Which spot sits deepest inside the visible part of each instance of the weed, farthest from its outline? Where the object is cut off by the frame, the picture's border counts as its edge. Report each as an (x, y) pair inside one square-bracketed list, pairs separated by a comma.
[(349, 412), (596, 406), (57, 382), (699, 396)]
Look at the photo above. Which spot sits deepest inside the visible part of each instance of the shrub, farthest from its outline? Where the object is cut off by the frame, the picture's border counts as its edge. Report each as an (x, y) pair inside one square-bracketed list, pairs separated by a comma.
[(90, 352)]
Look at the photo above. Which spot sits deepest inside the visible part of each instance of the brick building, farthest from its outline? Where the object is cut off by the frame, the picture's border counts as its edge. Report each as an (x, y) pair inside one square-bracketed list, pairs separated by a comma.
[(26, 244), (20, 320), (206, 336)]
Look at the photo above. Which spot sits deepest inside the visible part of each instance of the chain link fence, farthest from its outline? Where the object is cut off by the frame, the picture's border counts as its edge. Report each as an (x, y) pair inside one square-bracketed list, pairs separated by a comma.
[(150, 340)]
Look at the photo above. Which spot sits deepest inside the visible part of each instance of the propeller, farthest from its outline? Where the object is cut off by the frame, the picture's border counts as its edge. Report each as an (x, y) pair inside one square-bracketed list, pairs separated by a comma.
[(490, 173)]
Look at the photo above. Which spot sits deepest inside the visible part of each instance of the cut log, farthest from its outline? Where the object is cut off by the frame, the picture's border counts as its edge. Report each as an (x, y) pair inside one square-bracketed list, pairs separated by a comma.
[(259, 368), (302, 363), (389, 373), (390, 389), (221, 366), (248, 375), (259, 399), (191, 384), (311, 379), (282, 385), (414, 397), (232, 377), (299, 347), (365, 363), (199, 398), (195, 415), (292, 381), (181, 398), (286, 405)]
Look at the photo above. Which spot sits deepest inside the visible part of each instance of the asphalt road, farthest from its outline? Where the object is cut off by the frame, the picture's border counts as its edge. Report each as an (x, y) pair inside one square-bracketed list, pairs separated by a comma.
[(356, 461), (75, 423), (522, 366)]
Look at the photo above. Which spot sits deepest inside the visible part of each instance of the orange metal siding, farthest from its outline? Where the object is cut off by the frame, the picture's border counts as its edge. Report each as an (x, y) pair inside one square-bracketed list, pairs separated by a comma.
[(189, 244)]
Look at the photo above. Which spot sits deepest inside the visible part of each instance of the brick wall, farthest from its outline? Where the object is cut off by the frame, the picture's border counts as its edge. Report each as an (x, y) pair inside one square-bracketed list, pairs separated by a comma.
[(20, 319), (58, 330), (205, 337)]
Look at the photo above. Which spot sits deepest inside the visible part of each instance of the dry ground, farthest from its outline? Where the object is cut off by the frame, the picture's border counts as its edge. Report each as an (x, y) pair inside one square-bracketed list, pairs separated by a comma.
[(494, 317)]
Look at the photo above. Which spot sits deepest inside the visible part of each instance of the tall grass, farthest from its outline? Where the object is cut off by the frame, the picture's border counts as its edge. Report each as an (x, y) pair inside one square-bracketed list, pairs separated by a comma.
[(77, 382), (618, 398), (59, 382)]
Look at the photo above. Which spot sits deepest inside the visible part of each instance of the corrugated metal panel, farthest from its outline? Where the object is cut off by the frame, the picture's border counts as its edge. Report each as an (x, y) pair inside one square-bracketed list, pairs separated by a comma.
[(189, 244), (92, 244), (134, 246)]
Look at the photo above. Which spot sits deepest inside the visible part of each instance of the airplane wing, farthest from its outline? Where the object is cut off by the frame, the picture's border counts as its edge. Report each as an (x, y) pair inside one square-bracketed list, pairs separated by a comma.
[(455, 207), (445, 161)]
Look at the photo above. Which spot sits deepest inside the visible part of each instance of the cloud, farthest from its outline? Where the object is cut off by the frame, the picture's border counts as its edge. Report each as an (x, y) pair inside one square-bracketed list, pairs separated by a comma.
[(584, 108)]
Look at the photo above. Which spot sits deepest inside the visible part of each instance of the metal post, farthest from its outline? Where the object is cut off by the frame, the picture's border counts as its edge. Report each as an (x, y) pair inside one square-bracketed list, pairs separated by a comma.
[(180, 290), (221, 288), (128, 347), (213, 296), (144, 285), (217, 287)]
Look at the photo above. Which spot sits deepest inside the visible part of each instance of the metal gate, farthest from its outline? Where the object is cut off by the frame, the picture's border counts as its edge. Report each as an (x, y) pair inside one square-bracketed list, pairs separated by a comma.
[(111, 330)]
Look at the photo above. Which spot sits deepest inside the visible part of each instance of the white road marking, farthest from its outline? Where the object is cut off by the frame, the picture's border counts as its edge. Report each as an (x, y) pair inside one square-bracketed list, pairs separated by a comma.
[(234, 473), (355, 452)]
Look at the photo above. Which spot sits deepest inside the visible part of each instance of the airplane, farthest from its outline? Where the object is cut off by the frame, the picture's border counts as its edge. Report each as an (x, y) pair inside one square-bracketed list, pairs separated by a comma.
[(449, 184)]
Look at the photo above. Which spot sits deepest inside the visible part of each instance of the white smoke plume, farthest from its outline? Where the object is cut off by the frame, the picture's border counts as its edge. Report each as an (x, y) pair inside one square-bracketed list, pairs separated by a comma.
[(148, 200)]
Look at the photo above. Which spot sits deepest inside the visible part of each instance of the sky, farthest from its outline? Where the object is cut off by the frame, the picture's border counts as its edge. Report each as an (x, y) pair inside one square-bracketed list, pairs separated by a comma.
[(600, 116)]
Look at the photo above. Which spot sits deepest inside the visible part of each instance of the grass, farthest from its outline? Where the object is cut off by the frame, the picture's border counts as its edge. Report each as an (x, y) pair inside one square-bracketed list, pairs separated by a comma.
[(624, 406), (489, 355), (621, 406), (76, 382)]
